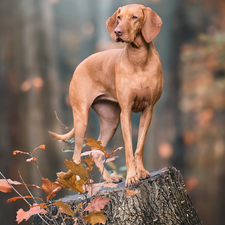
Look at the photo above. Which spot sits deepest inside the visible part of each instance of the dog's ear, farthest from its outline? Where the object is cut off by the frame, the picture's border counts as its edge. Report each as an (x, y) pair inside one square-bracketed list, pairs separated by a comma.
[(111, 24), (151, 26)]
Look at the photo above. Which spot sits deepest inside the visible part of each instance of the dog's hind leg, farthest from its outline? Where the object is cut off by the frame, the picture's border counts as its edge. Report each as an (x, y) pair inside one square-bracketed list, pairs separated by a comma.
[(109, 116)]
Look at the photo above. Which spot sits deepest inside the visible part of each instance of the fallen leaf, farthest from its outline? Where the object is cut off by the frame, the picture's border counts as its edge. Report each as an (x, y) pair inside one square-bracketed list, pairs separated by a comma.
[(95, 144), (97, 204), (16, 198), (49, 187), (95, 217), (77, 169), (64, 208), (22, 215), (31, 159), (131, 192)]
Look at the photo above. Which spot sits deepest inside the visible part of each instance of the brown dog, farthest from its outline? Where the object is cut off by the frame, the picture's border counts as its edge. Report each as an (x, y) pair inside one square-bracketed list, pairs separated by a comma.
[(117, 82)]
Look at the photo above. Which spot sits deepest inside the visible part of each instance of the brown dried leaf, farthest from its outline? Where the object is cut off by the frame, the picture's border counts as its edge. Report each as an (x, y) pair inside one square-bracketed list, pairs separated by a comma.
[(64, 208), (95, 144), (49, 187), (70, 182), (95, 217), (97, 204), (89, 162), (131, 192), (77, 169)]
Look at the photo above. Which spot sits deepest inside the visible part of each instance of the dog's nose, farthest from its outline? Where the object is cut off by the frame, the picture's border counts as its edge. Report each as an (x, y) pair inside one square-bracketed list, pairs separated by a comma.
[(118, 31)]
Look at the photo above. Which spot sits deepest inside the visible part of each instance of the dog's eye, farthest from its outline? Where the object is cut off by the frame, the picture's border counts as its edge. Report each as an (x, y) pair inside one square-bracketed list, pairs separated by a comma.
[(118, 17), (134, 17)]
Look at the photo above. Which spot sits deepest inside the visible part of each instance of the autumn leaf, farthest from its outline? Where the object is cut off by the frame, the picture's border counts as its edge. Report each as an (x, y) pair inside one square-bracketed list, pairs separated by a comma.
[(97, 204), (22, 215), (95, 144), (69, 181), (41, 146), (16, 198), (78, 207), (53, 192), (20, 152), (64, 208), (49, 187), (113, 152), (89, 162), (77, 169), (5, 185), (131, 192), (95, 217)]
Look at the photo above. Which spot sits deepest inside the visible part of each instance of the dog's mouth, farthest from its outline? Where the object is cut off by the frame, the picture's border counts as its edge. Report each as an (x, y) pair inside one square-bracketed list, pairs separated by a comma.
[(119, 39)]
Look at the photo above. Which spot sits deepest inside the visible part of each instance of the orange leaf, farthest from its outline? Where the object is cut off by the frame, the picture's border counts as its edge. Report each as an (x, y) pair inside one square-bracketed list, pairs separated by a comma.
[(131, 192), (113, 152), (97, 204), (16, 198), (53, 192), (95, 217), (5, 186), (21, 152), (77, 169), (89, 162), (95, 144), (49, 187), (22, 215), (41, 146), (64, 208)]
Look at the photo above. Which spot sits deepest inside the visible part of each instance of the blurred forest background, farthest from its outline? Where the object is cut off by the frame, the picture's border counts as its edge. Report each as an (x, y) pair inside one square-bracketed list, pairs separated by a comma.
[(42, 42)]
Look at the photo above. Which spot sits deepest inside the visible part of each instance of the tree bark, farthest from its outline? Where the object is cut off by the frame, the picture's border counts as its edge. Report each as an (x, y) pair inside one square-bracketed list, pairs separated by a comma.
[(162, 199)]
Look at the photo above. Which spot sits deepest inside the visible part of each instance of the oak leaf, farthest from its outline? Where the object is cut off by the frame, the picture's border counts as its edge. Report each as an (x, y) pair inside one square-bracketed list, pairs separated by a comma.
[(89, 162), (22, 215), (49, 187), (95, 144), (77, 169), (97, 204), (131, 192), (95, 217), (69, 181), (64, 208)]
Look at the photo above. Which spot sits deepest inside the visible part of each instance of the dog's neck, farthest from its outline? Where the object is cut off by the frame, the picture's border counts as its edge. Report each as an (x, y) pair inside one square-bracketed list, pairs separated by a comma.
[(139, 51)]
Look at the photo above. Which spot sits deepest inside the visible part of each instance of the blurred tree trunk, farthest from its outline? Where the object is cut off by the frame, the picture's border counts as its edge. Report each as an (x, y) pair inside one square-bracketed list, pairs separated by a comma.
[(29, 93)]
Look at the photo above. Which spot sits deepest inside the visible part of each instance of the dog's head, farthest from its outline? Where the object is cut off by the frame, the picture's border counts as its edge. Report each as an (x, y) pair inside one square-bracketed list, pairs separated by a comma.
[(131, 20)]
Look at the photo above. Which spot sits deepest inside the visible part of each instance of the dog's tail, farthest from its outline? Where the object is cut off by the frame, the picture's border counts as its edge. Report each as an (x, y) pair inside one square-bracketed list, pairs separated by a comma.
[(63, 136)]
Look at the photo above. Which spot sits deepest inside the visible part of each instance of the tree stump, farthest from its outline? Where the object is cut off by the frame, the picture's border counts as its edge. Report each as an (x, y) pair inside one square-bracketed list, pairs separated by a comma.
[(162, 199)]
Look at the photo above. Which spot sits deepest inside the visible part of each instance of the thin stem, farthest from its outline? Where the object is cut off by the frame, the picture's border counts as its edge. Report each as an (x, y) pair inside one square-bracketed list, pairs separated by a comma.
[(27, 187), (21, 196)]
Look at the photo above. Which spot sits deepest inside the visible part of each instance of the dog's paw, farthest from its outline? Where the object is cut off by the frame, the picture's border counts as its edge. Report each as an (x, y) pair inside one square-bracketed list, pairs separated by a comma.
[(113, 179), (143, 174), (132, 181)]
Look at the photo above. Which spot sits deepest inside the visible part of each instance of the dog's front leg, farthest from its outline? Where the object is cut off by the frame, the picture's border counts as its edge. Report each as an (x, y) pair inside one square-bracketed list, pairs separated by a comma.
[(145, 121), (125, 118)]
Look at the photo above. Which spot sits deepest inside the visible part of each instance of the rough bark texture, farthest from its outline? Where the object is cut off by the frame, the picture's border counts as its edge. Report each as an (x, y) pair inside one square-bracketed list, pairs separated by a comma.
[(162, 199)]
